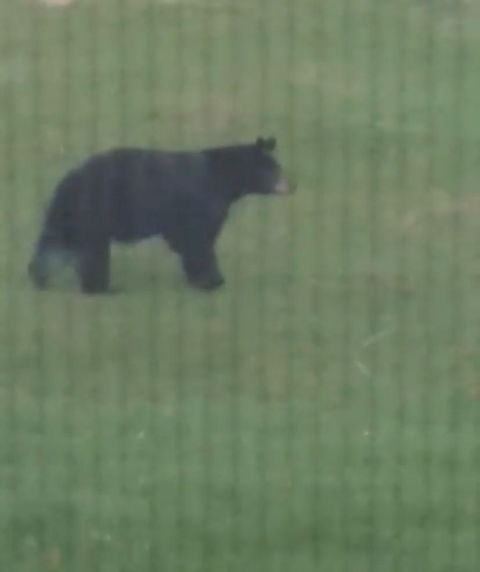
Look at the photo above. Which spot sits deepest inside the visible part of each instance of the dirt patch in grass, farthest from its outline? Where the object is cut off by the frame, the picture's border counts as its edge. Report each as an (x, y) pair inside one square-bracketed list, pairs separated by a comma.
[(192, 4), (55, 3)]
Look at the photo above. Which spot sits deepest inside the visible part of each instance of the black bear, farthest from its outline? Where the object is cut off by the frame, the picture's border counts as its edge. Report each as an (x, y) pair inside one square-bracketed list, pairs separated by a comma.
[(127, 195)]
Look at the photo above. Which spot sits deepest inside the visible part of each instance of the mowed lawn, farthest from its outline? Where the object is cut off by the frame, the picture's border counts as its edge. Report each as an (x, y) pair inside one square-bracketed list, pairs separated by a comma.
[(320, 412)]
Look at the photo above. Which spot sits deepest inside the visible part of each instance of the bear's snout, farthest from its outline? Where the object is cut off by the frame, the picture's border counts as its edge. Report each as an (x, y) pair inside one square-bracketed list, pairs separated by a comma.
[(283, 187)]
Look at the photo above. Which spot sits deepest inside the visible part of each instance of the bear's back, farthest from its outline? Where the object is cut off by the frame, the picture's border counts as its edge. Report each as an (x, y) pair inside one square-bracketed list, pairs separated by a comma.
[(141, 193)]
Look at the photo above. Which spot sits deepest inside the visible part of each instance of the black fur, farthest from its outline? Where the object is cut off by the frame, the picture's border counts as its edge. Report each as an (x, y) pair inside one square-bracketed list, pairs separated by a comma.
[(126, 195)]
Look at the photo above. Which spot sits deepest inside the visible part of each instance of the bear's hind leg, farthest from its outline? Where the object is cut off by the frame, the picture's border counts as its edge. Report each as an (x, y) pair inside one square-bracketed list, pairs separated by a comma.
[(47, 250), (93, 267), (38, 269)]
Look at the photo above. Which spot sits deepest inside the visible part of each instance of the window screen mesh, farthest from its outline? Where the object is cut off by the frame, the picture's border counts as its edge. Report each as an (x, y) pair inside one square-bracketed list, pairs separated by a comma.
[(320, 410)]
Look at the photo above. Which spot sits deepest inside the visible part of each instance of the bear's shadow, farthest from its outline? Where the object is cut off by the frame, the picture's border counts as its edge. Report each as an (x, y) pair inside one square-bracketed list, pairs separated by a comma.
[(143, 266)]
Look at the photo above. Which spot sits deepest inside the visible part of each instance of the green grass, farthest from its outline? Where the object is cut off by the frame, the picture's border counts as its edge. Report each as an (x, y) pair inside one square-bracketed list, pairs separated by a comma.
[(321, 411)]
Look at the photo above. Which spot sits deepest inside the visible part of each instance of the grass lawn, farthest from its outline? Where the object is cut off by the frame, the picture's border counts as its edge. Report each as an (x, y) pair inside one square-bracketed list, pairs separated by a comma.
[(319, 413)]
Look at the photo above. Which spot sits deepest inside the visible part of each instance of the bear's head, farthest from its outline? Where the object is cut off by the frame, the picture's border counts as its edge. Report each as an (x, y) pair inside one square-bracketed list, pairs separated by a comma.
[(265, 176), (250, 169)]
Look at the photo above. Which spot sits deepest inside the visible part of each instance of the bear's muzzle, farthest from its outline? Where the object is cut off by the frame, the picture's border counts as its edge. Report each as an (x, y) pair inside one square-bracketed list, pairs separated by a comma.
[(283, 187)]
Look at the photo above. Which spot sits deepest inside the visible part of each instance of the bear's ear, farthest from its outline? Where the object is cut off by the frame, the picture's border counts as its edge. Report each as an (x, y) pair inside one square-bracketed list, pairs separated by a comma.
[(267, 144)]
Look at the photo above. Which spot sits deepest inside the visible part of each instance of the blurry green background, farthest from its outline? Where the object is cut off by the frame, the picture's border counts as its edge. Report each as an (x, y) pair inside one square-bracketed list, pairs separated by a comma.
[(321, 411)]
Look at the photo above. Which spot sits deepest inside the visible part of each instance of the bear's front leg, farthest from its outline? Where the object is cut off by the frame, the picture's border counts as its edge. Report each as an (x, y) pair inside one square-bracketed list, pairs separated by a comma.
[(201, 268)]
